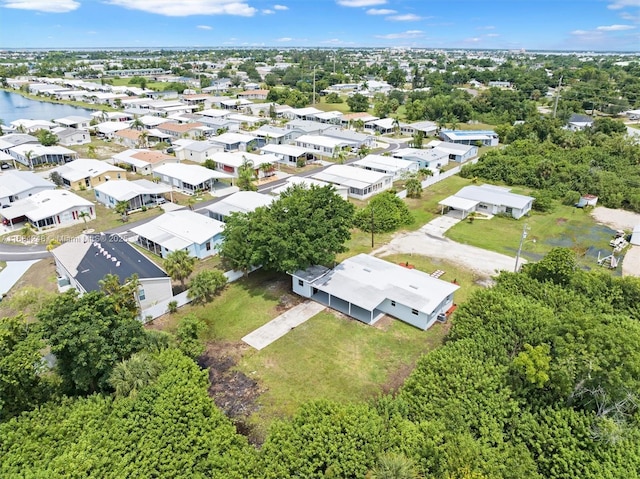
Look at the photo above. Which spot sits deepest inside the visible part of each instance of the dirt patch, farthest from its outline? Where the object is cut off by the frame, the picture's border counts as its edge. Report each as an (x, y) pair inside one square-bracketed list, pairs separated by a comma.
[(397, 378), (616, 219), (561, 221), (234, 392), (383, 323)]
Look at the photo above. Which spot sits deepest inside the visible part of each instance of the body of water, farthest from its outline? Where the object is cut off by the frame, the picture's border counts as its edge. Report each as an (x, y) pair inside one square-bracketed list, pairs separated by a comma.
[(16, 107)]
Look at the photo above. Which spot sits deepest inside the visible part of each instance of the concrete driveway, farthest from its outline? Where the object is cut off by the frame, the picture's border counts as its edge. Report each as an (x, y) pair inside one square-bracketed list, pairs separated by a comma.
[(278, 327)]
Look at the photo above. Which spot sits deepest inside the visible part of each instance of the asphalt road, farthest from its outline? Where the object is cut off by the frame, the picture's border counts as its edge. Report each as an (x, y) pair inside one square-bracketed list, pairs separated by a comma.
[(10, 252)]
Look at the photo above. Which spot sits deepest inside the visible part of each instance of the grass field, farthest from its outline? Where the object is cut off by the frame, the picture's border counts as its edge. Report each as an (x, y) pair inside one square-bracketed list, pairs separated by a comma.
[(565, 226)]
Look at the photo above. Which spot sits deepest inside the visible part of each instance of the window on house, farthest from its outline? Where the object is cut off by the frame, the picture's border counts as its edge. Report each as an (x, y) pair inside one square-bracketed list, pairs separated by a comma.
[(141, 295), (208, 245), (300, 282), (393, 303), (415, 311)]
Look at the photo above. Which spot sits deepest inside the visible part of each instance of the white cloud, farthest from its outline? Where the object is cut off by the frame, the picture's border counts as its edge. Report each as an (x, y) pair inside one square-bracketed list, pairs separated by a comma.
[(488, 27), (619, 4), (407, 34), (493, 35), (381, 11), (267, 11), (472, 40), (186, 8), (580, 32), (280, 7), (204, 27), (629, 17), (48, 6), (361, 3), (284, 39), (336, 41), (615, 28), (407, 17)]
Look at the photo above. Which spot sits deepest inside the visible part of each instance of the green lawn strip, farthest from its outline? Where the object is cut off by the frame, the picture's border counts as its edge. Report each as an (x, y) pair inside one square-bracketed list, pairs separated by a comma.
[(334, 357)]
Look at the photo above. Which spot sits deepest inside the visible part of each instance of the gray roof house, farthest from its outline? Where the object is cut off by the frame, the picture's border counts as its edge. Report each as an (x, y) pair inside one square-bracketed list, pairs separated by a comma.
[(366, 288), (488, 199), (429, 158), (82, 262), (15, 185), (239, 202), (387, 164), (359, 139)]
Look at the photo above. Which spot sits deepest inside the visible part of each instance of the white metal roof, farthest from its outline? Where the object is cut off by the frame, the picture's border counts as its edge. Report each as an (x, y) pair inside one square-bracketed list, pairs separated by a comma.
[(289, 150), (231, 138), (323, 141), (179, 229), (45, 204), (306, 182), (350, 176), (124, 190), (458, 203), (241, 202), (15, 182), (237, 158), (494, 196), (190, 174), (386, 163), (85, 168), (367, 281)]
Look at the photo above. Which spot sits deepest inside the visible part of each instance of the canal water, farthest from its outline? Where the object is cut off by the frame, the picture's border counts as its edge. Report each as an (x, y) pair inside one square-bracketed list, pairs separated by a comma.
[(15, 107)]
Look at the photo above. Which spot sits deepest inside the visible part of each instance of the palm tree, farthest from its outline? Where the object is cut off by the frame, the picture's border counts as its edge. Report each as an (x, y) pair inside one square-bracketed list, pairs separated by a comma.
[(442, 123), (267, 169), (143, 139), (454, 122), (53, 243), (358, 125), (29, 156), (414, 187), (246, 176), (91, 151), (393, 466), (179, 265), (131, 375), (396, 126), (84, 215), (122, 208), (27, 230)]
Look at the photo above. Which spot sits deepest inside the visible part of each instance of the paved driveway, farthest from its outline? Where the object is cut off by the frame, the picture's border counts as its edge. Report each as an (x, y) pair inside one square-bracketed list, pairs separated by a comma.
[(278, 327)]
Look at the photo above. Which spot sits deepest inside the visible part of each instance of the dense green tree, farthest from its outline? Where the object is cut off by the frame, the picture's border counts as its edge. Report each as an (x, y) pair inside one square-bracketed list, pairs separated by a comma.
[(204, 285), (389, 214), (130, 376), (46, 137), (188, 335), (358, 102), (88, 335)]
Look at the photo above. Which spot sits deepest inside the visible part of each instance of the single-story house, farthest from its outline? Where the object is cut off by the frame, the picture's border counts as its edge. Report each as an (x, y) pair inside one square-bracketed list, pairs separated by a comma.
[(229, 163), (183, 130), (457, 152), (332, 117), (143, 161), (186, 230), (385, 126), (323, 145), (395, 167), (307, 182), (349, 119), (240, 202), (470, 137), (246, 121), (306, 113), (488, 199), (214, 113), (30, 126), (74, 121), (32, 155), (11, 140), (360, 139), (234, 141), (579, 122), (268, 134), (362, 184), (189, 178), (71, 136), (428, 128), (288, 154), (366, 288), (49, 208), (254, 94), (108, 129), (234, 104), (198, 151), (137, 193), (88, 173), (15, 185), (306, 127), (82, 262), (430, 158), (129, 137)]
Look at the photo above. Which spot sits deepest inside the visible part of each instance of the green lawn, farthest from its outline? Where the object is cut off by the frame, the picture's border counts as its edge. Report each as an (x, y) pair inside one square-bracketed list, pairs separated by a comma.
[(565, 226), (332, 356)]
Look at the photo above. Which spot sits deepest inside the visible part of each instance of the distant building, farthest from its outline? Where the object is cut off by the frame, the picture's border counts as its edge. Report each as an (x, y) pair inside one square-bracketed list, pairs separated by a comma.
[(470, 137)]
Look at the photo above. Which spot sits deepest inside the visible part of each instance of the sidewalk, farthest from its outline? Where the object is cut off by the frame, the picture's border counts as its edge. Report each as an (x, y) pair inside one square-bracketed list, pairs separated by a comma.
[(278, 327)]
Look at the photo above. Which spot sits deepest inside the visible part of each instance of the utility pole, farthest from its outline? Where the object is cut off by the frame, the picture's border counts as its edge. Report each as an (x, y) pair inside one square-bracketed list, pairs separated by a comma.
[(314, 85), (555, 105), (525, 230)]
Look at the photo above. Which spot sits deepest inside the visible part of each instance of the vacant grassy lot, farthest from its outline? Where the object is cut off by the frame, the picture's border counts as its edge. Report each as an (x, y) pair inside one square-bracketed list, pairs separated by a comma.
[(565, 226)]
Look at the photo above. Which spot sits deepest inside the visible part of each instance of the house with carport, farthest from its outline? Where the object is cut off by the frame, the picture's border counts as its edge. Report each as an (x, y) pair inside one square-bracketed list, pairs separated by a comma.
[(184, 230), (198, 151), (137, 193), (189, 178), (15, 185), (306, 182), (326, 146), (88, 173), (143, 161), (31, 155), (71, 136), (49, 208), (239, 202), (85, 260), (230, 162), (457, 152), (289, 154), (362, 184), (396, 167), (235, 141), (487, 199), (470, 137), (432, 159), (367, 288)]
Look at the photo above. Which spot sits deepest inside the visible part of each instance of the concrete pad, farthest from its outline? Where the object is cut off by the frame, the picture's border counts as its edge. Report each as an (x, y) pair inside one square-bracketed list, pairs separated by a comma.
[(631, 262), (12, 273), (439, 225), (278, 327)]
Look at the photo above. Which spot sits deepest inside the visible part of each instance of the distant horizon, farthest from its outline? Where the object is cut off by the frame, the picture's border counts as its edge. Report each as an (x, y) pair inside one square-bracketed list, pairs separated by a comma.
[(511, 25)]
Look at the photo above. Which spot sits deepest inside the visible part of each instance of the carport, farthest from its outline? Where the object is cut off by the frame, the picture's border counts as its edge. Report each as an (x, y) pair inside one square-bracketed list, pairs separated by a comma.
[(458, 207)]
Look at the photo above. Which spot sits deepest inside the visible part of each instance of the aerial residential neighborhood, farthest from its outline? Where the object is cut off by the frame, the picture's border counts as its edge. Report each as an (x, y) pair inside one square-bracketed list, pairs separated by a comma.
[(343, 238)]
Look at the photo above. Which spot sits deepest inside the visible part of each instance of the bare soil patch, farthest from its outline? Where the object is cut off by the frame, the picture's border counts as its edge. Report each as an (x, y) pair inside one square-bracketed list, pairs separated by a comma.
[(616, 219), (561, 221)]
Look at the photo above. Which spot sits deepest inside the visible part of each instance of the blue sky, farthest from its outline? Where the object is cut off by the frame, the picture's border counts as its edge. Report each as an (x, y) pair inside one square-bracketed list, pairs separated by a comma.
[(504, 24)]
